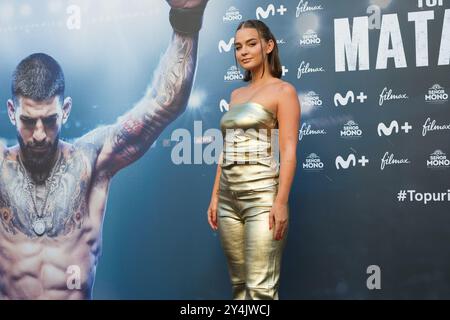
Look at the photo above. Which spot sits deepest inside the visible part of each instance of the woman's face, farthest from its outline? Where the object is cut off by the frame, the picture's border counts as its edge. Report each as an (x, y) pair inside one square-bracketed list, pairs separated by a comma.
[(248, 48)]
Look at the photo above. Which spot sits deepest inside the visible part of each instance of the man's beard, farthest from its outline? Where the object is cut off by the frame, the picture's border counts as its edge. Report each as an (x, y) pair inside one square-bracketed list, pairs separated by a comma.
[(38, 163)]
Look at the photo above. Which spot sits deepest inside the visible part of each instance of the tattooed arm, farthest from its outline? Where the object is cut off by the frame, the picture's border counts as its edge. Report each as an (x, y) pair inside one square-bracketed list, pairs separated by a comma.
[(126, 141), (132, 135)]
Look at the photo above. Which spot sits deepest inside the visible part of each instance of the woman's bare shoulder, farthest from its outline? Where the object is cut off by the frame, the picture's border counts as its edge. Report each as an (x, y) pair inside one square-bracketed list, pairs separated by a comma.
[(285, 87)]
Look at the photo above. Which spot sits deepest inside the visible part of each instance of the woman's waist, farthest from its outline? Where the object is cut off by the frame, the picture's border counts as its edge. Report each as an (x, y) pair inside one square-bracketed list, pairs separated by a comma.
[(248, 158), (249, 176), (248, 184)]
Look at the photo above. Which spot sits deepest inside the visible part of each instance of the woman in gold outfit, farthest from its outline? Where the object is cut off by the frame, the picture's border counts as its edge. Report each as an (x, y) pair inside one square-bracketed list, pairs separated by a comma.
[(249, 203)]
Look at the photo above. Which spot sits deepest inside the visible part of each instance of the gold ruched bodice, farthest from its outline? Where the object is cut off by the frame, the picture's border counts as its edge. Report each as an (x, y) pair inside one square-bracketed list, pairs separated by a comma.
[(248, 159)]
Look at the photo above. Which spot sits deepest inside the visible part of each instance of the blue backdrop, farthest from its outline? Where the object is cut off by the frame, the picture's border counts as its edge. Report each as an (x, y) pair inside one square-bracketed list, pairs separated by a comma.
[(351, 211)]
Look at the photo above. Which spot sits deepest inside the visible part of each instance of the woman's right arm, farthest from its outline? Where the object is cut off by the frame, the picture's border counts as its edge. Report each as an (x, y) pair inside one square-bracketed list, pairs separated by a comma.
[(212, 210)]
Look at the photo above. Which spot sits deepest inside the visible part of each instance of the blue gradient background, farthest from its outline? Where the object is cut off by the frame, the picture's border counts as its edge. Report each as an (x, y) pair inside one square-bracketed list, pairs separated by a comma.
[(157, 243)]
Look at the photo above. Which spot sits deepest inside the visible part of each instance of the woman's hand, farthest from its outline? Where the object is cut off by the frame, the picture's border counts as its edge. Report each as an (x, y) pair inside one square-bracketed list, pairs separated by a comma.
[(212, 212), (278, 220)]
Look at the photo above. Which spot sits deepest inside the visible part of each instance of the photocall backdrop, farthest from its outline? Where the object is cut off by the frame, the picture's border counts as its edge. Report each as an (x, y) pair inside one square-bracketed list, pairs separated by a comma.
[(369, 208)]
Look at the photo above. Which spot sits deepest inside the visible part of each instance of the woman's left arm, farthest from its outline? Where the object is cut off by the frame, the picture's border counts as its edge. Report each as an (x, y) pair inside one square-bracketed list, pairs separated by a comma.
[(288, 115)]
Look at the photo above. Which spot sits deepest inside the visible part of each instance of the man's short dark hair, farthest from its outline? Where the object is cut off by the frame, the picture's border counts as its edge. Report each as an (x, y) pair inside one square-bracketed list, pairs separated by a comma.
[(38, 77)]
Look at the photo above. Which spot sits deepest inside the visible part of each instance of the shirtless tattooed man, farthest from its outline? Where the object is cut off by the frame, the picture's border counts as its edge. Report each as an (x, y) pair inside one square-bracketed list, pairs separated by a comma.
[(53, 194)]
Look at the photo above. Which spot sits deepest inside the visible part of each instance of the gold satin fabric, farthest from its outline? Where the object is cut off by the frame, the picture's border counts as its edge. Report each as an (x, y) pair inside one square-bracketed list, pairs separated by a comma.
[(248, 187), (248, 161)]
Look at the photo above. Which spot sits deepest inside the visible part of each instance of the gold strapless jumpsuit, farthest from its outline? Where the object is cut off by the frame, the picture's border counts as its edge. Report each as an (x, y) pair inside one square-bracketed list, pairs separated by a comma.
[(248, 187)]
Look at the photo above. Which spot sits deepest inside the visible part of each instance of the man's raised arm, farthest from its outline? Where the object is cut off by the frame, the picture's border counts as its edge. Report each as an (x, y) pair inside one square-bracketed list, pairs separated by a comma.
[(132, 135)]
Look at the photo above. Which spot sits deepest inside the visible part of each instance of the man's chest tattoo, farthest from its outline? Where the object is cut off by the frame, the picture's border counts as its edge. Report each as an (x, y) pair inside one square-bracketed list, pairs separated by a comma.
[(54, 208)]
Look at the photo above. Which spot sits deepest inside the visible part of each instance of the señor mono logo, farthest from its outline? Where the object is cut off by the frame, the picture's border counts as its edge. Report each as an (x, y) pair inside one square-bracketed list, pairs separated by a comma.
[(233, 74), (351, 130), (436, 94), (438, 159), (232, 14), (311, 99), (310, 39), (313, 163)]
